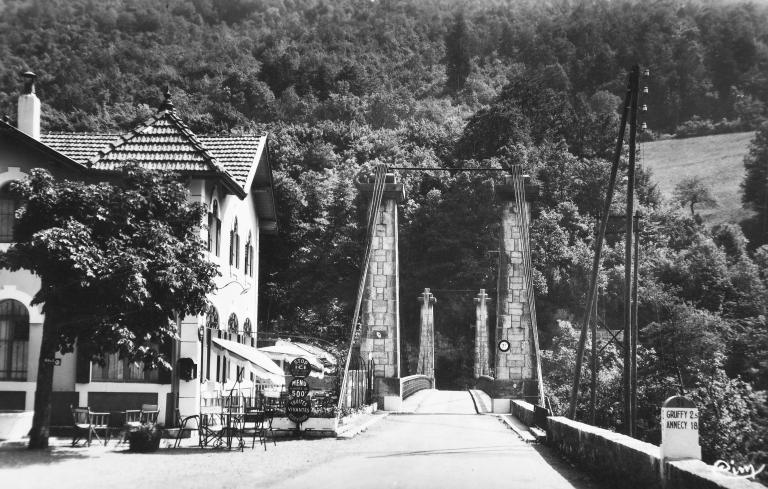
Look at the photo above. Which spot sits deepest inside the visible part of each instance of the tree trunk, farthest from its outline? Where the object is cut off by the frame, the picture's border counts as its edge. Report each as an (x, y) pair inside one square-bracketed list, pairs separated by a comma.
[(38, 436)]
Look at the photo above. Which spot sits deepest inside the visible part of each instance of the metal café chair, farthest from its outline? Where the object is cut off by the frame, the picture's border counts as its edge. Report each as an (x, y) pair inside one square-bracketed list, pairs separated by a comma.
[(211, 428), (182, 423), (257, 414), (210, 423)]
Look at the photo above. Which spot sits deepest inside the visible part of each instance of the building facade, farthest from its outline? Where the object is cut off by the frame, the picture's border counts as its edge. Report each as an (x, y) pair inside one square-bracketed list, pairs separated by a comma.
[(231, 175)]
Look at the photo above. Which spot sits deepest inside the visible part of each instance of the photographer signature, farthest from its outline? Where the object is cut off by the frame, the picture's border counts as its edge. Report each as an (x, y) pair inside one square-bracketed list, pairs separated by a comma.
[(742, 471)]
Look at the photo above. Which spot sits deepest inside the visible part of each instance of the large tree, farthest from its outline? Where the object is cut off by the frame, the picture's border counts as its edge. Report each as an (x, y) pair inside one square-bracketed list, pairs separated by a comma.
[(117, 264), (692, 191)]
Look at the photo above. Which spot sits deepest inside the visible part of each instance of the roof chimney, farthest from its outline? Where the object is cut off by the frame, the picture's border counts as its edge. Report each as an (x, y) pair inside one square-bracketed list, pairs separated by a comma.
[(167, 105), (29, 108)]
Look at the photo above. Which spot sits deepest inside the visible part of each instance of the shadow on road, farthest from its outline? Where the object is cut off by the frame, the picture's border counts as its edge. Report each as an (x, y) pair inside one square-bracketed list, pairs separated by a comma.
[(448, 451), (16, 455), (570, 472)]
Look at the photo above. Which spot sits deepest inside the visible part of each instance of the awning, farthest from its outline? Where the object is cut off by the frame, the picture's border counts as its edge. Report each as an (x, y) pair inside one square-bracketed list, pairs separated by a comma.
[(285, 350), (263, 366), (320, 353)]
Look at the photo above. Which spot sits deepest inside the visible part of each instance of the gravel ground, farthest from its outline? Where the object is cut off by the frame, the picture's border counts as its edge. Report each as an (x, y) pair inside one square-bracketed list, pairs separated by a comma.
[(399, 451), (113, 467)]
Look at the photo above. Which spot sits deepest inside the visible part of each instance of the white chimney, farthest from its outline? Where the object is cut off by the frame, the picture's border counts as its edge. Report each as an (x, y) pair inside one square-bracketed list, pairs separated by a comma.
[(29, 108)]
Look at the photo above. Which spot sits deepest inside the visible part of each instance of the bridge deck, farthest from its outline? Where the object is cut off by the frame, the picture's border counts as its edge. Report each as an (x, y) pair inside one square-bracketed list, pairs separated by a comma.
[(433, 401), (438, 451)]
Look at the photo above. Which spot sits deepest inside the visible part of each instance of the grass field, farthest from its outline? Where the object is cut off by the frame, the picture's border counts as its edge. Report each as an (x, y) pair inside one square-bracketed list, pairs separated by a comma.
[(718, 160)]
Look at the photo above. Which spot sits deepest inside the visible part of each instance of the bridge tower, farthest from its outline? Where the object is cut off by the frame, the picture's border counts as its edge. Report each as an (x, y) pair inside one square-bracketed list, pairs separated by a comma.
[(515, 375), (482, 365), (380, 318), (426, 364)]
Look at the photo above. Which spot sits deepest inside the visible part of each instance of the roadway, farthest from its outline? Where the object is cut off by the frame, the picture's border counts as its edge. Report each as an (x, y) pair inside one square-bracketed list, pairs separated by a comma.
[(439, 451)]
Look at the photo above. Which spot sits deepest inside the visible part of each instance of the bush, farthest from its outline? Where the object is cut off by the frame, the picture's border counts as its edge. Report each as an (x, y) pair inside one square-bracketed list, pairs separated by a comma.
[(704, 127), (145, 439)]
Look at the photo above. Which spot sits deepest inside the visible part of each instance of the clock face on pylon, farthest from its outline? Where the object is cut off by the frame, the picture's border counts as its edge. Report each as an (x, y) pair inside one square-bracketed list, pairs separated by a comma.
[(504, 346)]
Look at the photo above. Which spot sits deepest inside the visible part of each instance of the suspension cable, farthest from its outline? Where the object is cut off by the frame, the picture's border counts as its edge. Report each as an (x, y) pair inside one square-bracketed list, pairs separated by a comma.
[(373, 212)]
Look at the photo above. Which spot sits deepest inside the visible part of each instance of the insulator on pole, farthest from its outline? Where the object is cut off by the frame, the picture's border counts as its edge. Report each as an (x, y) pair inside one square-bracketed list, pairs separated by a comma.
[(645, 108), (646, 73), (645, 90), (644, 126)]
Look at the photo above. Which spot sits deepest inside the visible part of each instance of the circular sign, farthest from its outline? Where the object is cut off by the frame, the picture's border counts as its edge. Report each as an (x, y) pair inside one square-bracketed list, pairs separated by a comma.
[(298, 388), (298, 409), (504, 346), (300, 367)]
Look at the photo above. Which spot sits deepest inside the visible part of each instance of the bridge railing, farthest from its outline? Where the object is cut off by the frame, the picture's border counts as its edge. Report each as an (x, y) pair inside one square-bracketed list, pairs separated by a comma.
[(414, 383)]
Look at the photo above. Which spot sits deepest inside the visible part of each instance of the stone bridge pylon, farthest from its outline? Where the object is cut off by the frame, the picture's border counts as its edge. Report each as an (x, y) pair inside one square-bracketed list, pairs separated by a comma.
[(380, 318), (515, 372), (482, 363), (426, 363)]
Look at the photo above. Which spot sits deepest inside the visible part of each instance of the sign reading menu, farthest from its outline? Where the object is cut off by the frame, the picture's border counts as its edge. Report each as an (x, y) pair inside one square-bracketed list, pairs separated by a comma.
[(298, 388)]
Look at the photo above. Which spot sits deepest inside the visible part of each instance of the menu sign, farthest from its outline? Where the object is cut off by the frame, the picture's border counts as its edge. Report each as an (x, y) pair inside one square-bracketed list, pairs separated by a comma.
[(298, 388)]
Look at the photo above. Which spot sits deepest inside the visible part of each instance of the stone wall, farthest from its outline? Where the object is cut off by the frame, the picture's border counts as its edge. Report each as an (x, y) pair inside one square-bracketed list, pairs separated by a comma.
[(380, 333), (622, 461), (515, 372)]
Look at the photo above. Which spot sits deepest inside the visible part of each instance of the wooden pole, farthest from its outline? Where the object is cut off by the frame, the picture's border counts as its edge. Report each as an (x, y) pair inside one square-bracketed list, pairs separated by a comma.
[(634, 321), (628, 415), (592, 291), (593, 386)]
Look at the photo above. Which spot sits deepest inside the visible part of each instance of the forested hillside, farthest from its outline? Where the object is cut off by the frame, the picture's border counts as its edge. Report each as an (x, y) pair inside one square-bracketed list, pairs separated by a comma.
[(345, 84)]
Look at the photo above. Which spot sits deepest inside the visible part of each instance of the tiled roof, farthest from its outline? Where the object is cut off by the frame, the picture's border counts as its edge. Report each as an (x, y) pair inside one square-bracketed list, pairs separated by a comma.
[(163, 142), (78, 146), (235, 153)]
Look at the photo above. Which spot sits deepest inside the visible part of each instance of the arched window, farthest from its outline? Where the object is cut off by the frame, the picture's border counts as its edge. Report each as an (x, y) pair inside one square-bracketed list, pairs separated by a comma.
[(9, 202), (234, 325), (247, 327), (214, 229), (234, 246), (212, 318), (14, 340), (250, 252), (247, 253)]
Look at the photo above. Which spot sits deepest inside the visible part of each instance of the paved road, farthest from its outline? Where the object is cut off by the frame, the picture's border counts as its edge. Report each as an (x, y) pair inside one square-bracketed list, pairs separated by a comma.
[(433, 401), (419, 451), (438, 451)]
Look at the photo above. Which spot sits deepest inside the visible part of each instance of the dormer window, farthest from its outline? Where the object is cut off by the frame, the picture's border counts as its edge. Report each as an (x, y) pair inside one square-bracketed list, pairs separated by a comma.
[(214, 229), (9, 203), (234, 246)]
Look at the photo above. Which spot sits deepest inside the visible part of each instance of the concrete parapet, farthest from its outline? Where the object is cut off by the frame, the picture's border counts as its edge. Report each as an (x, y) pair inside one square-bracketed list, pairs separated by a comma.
[(625, 462)]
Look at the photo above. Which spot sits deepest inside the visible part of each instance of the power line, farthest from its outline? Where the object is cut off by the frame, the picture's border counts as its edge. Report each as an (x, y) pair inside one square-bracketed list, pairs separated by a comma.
[(443, 168)]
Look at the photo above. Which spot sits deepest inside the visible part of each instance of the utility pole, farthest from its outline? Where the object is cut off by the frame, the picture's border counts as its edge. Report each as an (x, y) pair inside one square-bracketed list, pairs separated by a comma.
[(635, 323), (592, 290), (628, 380)]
